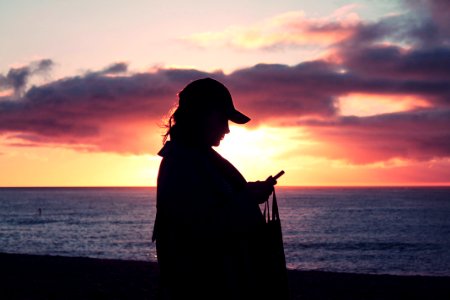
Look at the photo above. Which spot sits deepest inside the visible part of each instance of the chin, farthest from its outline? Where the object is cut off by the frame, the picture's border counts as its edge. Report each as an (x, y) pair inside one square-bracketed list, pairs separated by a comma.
[(216, 143)]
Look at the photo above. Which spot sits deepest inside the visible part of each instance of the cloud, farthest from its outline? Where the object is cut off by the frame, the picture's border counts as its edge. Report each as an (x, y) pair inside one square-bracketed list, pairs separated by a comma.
[(414, 135), (291, 29), (115, 68), (393, 61), (120, 113), (104, 112), (433, 27), (17, 78), (95, 112), (423, 23), (115, 110)]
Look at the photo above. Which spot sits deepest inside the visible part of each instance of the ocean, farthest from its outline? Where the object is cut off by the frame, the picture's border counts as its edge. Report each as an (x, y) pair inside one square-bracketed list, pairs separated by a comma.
[(399, 231)]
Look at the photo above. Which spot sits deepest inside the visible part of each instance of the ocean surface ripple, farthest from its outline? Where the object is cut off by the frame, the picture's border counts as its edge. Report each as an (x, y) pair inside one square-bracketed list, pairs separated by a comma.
[(401, 231)]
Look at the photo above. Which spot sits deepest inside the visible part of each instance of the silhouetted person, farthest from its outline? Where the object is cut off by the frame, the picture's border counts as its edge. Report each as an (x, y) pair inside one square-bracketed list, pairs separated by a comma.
[(208, 223)]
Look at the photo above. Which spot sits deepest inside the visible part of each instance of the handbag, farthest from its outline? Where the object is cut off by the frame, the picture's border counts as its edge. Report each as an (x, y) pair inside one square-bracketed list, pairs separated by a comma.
[(278, 284)]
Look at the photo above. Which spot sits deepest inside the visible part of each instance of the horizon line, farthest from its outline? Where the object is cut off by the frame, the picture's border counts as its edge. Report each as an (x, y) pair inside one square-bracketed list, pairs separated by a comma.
[(279, 186)]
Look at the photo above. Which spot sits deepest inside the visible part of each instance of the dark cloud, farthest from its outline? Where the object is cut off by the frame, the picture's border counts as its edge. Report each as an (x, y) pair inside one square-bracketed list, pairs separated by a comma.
[(415, 135), (116, 68), (101, 110), (393, 61), (412, 46), (43, 65), (275, 91), (423, 24), (433, 22), (83, 109), (17, 78)]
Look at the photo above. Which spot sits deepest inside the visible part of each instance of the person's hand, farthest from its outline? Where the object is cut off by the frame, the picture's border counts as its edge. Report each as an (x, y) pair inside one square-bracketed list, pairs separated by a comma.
[(261, 190), (271, 180)]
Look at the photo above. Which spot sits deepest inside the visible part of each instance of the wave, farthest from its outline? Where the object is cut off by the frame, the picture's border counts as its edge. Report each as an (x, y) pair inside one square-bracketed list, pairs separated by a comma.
[(364, 246)]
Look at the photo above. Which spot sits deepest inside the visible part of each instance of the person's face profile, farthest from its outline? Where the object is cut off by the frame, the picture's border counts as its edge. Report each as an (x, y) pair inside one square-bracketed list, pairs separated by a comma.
[(216, 128)]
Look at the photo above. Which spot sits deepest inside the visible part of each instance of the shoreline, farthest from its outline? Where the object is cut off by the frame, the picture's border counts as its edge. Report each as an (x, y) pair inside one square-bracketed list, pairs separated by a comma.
[(26, 276)]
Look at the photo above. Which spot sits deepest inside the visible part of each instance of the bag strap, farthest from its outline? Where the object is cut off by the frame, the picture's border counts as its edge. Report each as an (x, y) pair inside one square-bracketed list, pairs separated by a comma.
[(275, 213), (266, 211)]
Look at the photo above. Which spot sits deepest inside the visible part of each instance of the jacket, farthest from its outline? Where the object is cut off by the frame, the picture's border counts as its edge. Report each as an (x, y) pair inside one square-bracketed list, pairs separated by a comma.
[(207, 229)]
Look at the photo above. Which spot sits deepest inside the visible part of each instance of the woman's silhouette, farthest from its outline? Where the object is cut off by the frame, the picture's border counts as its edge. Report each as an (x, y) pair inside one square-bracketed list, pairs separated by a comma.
[(208, 224)]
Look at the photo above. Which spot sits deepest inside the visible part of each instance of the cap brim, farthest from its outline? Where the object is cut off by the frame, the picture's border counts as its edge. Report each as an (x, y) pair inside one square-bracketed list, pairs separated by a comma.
[(238, 117)]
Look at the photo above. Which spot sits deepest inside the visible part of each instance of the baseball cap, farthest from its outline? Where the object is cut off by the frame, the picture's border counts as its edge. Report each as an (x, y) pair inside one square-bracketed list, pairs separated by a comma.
[(206, 95)]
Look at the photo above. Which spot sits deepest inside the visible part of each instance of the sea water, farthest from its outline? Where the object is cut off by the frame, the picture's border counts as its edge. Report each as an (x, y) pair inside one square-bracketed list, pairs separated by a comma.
[(360, 230)]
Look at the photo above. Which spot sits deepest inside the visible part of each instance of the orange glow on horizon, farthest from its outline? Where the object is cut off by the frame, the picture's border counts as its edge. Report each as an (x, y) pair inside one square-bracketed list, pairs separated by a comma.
[(52, 166), (257, 153)]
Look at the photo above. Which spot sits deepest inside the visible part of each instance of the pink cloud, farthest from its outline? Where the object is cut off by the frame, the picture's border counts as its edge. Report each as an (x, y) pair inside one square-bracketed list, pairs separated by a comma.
[(291, 29), (414, 135)]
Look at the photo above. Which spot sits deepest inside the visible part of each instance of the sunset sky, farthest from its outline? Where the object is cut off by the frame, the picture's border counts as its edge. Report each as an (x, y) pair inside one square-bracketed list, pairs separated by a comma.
[(339, 92)]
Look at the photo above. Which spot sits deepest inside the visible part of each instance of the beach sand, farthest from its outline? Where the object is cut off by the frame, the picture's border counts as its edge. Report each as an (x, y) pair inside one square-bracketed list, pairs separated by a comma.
[(54, 277)]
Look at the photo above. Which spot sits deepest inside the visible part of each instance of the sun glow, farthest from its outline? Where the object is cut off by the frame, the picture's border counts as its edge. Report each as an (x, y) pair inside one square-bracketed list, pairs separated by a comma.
[(260, 152)]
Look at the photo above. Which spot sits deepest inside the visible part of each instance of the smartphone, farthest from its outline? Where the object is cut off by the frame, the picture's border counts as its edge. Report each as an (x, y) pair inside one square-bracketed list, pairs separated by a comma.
[(278, 175)]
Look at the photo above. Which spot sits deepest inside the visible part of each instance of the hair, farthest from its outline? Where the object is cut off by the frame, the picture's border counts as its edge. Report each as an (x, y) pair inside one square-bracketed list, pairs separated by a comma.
[(168, 126), (185, 125)]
